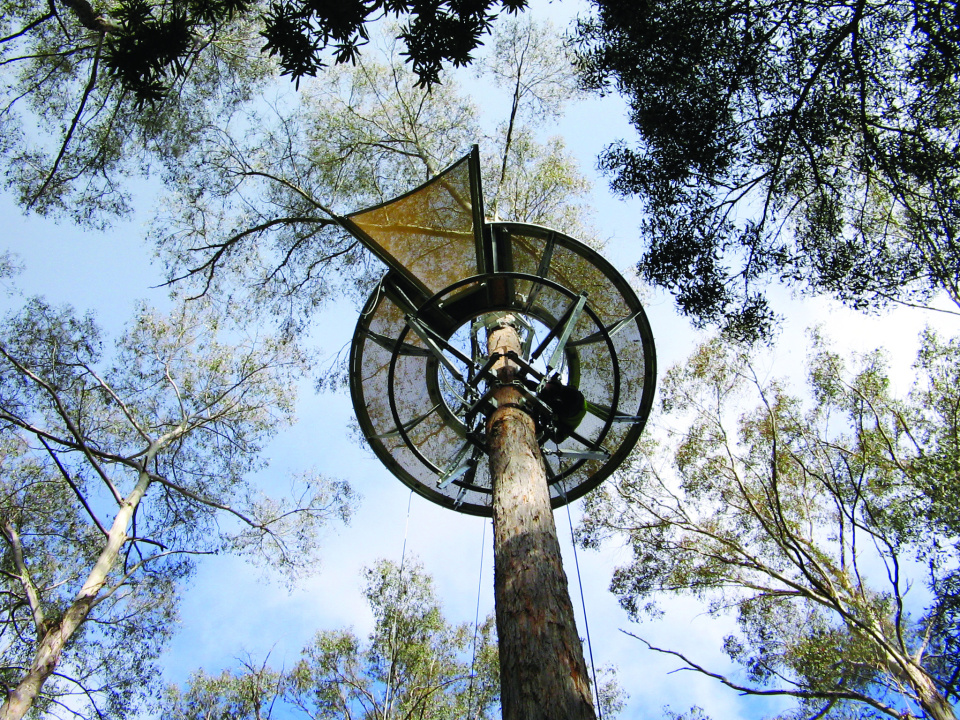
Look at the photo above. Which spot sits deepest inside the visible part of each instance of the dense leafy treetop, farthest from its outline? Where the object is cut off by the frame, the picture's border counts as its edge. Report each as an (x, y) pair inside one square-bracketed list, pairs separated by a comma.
[(817, 524), (93, 92), (116, 470), (415, 663), (298, 31), (807, 143), (149, 42)]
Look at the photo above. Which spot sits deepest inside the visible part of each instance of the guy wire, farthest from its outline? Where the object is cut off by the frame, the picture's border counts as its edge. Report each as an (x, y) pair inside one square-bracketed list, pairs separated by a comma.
[(476, 621), (583, 603), (393, 631)]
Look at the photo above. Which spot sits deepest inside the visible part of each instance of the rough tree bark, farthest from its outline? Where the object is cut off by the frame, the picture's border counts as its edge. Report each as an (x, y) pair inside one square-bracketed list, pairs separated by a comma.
[(543, 675), (933, 703)]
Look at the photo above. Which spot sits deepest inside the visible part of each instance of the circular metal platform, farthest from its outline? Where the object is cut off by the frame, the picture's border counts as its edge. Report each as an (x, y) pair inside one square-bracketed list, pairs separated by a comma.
[(421, 382)]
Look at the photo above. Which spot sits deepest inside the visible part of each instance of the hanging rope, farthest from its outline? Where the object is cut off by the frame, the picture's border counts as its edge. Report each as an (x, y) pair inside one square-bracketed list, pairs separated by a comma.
[(476, 622), (393, 631), (583, 603)]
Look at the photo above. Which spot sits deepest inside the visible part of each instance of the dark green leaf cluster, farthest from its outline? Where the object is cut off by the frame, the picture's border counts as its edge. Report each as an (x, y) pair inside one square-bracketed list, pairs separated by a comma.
[(152, 45), (436, 32), (797, 142)]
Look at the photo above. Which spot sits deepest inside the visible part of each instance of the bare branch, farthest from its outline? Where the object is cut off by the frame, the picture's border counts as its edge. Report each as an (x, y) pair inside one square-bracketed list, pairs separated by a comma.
[(91, 84), (23, 31), (26, 580), (80, 444), (73, 486), (834, 695)]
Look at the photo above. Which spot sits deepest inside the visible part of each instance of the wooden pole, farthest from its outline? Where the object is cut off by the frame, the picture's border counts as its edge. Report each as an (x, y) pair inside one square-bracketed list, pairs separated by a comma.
[(543, 675)]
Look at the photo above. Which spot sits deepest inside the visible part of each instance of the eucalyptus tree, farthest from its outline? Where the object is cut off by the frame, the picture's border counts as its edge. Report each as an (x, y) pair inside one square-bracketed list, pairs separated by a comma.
[(803, 143), (95, 93), (828, 531), (415, 663), (530, 63), (76, 132), (251, 693), (118, 470), (252, 209)]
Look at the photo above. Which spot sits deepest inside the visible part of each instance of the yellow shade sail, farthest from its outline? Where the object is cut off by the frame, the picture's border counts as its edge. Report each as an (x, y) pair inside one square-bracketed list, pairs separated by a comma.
[(431, 235)]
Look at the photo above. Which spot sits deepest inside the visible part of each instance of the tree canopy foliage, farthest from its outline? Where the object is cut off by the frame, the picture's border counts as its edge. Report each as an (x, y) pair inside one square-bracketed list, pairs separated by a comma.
[(829, 531), (251, 210), (414, 664), (298, 31), (73, 132), (98, 92), (118, 469), (797, 142)]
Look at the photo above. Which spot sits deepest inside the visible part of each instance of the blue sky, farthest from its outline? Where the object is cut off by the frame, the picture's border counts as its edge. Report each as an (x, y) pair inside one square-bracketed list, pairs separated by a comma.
[(231, 609)]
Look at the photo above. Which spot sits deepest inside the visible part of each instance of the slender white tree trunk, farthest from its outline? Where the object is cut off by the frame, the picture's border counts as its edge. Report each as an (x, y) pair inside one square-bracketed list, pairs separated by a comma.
[(51, 645), (932, 701)]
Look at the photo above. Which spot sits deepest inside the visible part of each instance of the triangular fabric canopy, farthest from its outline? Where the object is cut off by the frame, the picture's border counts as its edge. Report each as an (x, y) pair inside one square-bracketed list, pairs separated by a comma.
[(433, 235)]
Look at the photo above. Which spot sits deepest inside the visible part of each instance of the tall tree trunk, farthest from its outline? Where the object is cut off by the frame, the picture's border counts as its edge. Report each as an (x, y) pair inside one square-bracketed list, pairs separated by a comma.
[(931, 700), (543, 675), (50, 646)]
